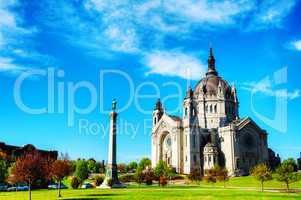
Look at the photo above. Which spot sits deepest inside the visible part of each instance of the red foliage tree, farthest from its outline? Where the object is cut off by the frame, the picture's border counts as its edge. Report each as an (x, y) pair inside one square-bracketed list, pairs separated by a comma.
[(29, 168), (59, 170)]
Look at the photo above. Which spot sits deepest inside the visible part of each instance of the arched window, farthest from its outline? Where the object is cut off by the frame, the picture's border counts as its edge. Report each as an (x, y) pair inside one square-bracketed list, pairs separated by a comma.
[(211, 108), (206, 108), (215, 108), (155, 121), (186, 112)]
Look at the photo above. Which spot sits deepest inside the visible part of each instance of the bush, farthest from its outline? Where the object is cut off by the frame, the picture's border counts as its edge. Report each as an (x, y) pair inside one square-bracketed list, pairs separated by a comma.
[(75, 183), (149, 177), (127, 178), (162, 181), (195, 175), (98, 180)]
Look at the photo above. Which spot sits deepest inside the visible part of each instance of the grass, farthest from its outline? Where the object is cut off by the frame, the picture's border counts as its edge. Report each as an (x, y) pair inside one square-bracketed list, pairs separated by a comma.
[(237, 188)]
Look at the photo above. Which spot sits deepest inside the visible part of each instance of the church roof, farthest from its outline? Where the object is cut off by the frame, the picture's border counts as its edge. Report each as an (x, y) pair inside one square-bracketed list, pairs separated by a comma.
[(175, 118), (241, 123)]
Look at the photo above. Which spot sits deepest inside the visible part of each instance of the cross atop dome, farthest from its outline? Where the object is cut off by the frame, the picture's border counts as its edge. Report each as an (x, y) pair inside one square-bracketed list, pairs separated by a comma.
[(211, 64)]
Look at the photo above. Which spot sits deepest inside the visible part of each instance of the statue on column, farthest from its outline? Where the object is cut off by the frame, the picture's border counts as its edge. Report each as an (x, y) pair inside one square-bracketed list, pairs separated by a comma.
[(111, 178)]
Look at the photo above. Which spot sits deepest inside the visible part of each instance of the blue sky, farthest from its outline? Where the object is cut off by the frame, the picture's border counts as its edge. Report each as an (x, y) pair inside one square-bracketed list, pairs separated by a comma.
[(144, 50)]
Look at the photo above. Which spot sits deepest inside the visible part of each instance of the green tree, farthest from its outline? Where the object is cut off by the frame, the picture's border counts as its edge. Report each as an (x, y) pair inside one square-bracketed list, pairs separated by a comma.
[(131, 166), (81, 171), (3, 170), (286, 173), (91, 163), (145, 162), (262, 173), (161, 171)]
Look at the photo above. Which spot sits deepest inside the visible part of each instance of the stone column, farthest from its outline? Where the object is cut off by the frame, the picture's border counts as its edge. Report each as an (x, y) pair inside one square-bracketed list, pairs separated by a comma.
[(111, 178)]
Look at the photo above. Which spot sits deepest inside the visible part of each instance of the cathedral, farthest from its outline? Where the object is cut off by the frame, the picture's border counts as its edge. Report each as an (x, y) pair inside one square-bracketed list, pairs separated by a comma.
[(210, 131)]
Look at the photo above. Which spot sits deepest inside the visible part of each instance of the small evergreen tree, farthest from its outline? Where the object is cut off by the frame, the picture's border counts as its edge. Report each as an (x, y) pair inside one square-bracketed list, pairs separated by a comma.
[(3, 170), (81, 171)]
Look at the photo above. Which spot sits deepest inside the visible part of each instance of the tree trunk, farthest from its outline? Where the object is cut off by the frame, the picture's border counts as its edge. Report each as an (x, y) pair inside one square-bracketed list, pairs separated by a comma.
[(261, 186), (29, 191), (287, 187), (59, 190)]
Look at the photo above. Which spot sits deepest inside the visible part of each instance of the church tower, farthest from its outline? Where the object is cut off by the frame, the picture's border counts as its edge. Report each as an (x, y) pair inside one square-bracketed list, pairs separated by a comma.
[(158, 112)]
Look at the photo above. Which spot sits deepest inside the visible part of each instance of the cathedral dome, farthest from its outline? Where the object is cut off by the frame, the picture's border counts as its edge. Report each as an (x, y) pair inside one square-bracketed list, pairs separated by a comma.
[(210, 85), (212, 82)]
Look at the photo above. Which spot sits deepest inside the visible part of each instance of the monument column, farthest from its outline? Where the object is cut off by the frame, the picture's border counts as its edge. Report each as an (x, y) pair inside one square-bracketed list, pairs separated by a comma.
[(111, 178)]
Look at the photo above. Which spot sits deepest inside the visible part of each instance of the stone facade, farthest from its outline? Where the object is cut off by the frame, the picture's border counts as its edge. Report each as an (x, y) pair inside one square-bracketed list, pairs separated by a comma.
[(210, 131)]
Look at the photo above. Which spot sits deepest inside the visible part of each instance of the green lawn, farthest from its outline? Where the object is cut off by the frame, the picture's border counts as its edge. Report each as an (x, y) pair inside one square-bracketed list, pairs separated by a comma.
[(237, 188), (149, 193)]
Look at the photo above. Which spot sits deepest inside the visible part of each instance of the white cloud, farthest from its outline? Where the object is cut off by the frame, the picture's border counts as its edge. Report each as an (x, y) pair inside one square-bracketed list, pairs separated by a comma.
[(266, 87), (122, 40), (174, 64), (14, 40), (296, 45), (270, 14), (7, 65)]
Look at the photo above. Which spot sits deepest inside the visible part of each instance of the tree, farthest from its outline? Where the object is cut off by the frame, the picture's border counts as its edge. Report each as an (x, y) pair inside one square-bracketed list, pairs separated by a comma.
[(98, 167), (222, 175), (286, 173), (262, 173), (59, 170), (30, 168), (91, 163), (145, 163), (3, 170), (131, 166), (81, 171)]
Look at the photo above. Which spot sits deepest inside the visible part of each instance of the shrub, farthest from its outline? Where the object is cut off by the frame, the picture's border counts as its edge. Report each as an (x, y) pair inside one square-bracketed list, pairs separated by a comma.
[(195, 175), (75, 183), (98, 180), (127, 178), (148, 177), (162, 181)]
